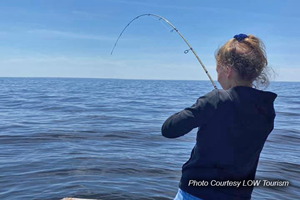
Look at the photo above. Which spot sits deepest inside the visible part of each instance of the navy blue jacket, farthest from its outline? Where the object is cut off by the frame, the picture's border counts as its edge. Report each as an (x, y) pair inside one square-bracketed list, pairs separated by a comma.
[(233, 126)]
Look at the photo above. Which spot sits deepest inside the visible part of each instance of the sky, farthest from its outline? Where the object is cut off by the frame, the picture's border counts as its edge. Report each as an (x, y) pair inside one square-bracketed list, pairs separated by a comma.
[(74, 38)]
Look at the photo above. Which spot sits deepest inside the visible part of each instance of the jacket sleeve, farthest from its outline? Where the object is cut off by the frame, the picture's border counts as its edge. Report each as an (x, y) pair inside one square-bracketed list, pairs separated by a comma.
[(198, 114)]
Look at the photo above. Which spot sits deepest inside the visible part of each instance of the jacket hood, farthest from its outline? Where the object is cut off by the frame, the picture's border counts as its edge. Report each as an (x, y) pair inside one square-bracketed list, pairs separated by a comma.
[(254, 103)]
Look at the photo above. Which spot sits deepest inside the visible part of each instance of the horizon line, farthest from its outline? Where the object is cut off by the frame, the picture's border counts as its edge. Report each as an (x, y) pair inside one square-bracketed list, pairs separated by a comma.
[(123, 78)]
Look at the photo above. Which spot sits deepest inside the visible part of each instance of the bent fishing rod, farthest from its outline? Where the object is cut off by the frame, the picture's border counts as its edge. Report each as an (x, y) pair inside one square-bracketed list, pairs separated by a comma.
[(173, 29)]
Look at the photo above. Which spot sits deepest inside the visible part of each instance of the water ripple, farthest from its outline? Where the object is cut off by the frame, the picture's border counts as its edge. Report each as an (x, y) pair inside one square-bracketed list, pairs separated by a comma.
[(100, 138)]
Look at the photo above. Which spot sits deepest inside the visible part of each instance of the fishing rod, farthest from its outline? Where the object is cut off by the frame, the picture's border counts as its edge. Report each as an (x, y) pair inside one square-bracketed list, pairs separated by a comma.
[(173, 29)]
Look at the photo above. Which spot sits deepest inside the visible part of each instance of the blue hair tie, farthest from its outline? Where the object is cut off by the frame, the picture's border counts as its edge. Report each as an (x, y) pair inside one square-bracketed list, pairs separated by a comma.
[(240, 37)]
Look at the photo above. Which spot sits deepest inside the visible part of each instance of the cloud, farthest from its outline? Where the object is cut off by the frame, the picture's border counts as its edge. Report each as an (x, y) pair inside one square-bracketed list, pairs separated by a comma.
[(59, 60), (96, 67), (71, 35), (116, 67), (88, 15), (60, 66), (138, 3), (212, 9), (287, 74)]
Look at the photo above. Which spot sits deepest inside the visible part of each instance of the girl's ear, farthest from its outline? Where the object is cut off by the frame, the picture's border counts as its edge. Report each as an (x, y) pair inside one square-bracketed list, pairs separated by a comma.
[(229, 71)]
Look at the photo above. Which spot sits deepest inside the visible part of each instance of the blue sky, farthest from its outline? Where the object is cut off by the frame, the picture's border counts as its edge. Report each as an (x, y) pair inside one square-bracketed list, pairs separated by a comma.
[(74, 38)]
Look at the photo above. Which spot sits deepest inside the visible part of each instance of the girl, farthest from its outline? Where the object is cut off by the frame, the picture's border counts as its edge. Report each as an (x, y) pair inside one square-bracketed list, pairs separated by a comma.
[(233, 125)]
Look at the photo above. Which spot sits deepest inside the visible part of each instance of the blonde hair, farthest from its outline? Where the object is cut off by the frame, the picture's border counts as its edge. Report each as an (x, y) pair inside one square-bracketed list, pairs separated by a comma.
[(247, 57)]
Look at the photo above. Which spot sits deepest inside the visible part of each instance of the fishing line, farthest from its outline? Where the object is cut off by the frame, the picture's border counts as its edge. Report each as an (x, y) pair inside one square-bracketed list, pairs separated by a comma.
[(164, 25), (172, 30)]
